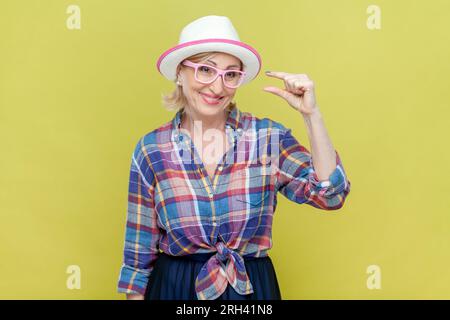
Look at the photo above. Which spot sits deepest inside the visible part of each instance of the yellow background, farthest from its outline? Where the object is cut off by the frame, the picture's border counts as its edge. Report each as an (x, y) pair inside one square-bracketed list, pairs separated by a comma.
[(74, 102)]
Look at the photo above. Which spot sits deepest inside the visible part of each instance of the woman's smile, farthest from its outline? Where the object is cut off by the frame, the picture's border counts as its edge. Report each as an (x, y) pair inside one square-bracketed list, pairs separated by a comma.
[(210, 99)]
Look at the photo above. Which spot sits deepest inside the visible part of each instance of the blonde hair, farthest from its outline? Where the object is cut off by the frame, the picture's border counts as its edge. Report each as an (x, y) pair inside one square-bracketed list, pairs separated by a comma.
[(176, 100)]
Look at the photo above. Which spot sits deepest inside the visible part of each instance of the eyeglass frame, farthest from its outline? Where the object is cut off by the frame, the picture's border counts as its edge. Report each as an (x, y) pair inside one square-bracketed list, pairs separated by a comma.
[(219, 72)]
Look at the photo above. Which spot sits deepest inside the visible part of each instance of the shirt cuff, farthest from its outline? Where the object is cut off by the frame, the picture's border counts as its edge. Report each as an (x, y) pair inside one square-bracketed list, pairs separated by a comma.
[(133, 280), (335, 184)]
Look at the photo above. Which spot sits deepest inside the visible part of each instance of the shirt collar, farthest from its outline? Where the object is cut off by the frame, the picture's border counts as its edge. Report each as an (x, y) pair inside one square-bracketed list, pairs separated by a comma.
[(234, 122)]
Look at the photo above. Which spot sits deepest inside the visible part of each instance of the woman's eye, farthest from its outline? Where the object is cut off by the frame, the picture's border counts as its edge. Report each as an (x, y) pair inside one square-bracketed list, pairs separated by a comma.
[(231, 74), (204, 69)]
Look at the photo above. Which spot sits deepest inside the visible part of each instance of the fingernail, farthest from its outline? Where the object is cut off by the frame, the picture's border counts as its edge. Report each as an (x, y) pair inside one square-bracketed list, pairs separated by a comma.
[(268, 71)]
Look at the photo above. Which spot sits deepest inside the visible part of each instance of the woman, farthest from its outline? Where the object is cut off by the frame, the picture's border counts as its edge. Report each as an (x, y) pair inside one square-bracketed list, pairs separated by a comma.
[(203, 186)]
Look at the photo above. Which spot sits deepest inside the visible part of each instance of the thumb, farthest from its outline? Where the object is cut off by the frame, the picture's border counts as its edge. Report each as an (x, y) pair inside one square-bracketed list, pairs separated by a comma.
[(279, 92)]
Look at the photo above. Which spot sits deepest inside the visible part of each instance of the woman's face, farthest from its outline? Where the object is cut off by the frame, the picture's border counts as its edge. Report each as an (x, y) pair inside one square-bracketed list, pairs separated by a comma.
[(197, 93)]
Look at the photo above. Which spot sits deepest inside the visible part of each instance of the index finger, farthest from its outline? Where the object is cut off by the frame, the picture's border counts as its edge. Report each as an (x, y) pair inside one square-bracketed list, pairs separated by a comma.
[(277, 74)]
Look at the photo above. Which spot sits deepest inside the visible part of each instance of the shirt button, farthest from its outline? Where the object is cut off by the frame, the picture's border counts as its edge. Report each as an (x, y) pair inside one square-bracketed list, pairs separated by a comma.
[(239, 130), (220, 168)]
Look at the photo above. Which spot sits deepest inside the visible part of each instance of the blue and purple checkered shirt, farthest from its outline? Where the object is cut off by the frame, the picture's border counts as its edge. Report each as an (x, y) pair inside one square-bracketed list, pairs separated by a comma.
[(174, 206)]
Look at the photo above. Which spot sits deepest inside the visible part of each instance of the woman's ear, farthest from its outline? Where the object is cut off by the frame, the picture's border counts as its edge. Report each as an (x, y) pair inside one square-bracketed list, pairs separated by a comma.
[(178, 79)]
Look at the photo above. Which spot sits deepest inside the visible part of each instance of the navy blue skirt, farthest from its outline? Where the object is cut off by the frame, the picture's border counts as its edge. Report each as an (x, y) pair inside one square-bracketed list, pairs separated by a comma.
[(173, 278)]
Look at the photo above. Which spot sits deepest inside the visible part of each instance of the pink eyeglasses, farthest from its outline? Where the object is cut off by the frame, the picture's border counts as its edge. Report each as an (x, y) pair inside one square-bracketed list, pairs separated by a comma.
[(205, 73)]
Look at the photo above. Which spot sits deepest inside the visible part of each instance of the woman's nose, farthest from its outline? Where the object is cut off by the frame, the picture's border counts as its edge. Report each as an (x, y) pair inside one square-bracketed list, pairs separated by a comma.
[(217, 85)]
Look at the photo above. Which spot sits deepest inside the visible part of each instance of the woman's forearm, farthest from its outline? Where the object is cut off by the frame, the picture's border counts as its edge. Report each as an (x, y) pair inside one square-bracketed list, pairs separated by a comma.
[(322, 150)]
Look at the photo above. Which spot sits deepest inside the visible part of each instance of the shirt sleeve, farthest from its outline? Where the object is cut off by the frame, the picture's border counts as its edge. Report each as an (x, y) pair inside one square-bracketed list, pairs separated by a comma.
[(298, 181), (141, 232)]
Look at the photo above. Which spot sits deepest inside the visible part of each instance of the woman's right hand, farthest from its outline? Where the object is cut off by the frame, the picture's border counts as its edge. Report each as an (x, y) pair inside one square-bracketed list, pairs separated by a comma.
[(135, 296)]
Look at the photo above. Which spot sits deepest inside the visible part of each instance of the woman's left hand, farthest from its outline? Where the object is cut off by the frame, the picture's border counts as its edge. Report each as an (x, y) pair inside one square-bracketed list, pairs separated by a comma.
[(298, 92)]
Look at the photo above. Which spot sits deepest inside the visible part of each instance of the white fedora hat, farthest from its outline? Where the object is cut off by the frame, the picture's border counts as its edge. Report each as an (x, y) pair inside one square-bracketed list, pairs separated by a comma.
[(206, 34)]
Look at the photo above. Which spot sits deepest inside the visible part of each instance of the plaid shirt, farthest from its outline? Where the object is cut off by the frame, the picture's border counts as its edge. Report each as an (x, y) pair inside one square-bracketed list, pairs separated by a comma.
[(175, 207)]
